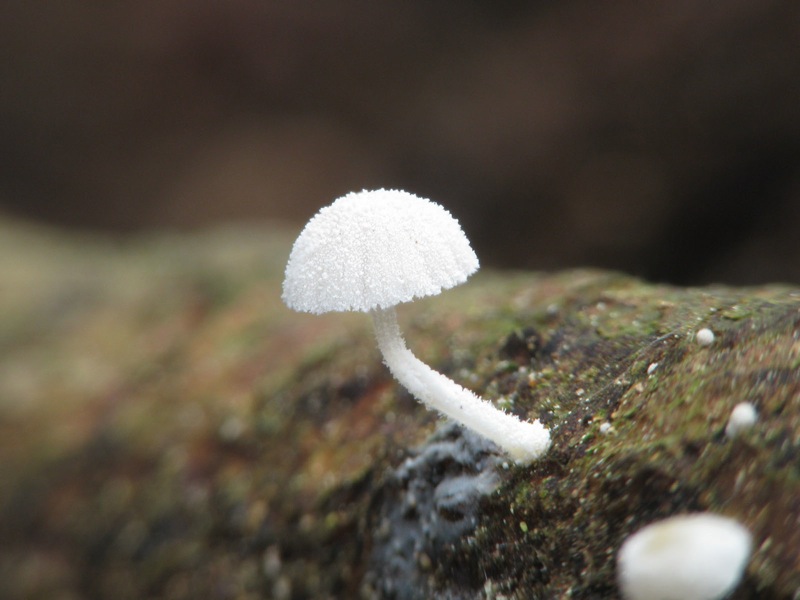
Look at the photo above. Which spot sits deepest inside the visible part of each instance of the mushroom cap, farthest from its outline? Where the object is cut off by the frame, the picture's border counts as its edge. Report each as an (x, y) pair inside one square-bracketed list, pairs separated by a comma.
[(689, 557), (376, 249)]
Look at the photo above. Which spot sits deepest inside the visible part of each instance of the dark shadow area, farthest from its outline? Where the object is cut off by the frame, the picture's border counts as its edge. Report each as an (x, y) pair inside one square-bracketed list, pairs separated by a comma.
[(662, 140)]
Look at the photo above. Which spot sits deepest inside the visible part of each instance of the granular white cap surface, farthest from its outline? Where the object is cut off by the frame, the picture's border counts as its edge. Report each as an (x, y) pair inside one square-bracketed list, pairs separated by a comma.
[(376, 249), (688, 557)]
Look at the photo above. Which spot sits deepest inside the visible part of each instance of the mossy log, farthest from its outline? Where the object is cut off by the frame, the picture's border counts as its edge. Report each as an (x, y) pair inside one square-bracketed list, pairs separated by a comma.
[(168, 429)]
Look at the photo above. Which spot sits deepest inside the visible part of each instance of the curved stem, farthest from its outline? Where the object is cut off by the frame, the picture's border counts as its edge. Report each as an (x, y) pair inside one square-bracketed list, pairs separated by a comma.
[(522, 440)]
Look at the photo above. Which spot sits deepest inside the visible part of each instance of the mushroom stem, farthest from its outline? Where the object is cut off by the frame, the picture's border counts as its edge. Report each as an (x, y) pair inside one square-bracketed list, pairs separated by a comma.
[(522, 440)]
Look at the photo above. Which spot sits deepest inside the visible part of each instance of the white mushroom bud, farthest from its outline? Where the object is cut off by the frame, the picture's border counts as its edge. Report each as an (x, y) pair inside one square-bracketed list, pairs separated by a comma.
[(704, 337), (687, 557), (743, 417), (372, 250)]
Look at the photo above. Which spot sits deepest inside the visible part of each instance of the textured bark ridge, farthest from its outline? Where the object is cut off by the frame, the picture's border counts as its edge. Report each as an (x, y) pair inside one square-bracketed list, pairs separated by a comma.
[(168, 429)]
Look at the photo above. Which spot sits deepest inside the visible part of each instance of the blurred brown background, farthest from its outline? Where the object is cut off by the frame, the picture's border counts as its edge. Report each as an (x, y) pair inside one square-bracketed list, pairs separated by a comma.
[(660, 138)]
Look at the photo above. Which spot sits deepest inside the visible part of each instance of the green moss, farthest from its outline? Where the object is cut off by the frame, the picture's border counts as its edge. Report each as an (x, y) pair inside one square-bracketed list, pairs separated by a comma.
[(218, 441)]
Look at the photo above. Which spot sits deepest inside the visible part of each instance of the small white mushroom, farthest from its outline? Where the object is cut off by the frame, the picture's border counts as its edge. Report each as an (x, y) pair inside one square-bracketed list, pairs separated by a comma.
[(743, 417), (372, 250), (704, 337), (688, 557)]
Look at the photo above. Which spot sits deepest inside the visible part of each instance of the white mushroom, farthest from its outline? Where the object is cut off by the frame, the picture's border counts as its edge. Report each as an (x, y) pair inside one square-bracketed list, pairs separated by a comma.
[(704, 337), (743, 417), (687, 557), (372, 250)]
